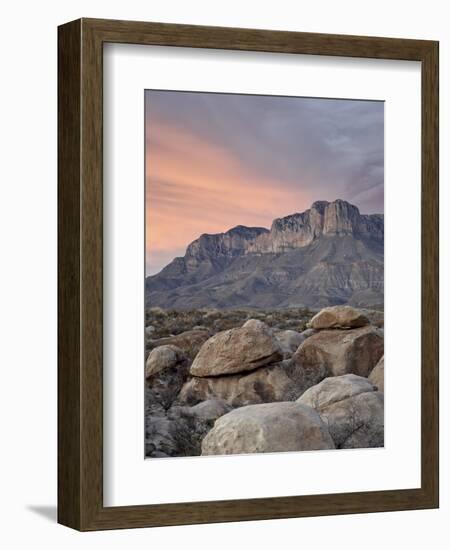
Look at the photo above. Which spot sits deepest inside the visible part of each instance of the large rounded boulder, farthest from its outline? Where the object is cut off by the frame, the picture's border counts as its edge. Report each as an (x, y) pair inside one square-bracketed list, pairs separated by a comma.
[(341, 352), (268, 428), (161, 358), (357, 422), (237, 350), (352, 410), (339, 317), (334, 389)]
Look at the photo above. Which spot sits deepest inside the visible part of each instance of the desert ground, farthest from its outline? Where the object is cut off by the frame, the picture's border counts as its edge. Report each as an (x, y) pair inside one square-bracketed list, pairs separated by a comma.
[(244, 380)]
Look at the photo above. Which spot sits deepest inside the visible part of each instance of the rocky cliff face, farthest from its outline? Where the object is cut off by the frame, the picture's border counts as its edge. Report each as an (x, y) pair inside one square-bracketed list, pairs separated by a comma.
[(326, 255), (338, 218), (233, 243)]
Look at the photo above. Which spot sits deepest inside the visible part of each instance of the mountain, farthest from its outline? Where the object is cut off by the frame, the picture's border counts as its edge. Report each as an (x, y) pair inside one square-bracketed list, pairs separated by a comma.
[(329, 254)]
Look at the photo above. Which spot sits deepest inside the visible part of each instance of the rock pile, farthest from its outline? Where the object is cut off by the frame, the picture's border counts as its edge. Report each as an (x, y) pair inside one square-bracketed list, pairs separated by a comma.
[(251, 389)]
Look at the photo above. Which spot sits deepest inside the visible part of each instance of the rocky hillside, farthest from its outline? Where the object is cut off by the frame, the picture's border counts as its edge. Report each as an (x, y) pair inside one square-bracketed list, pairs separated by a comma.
[(330, 254), (255, 388)]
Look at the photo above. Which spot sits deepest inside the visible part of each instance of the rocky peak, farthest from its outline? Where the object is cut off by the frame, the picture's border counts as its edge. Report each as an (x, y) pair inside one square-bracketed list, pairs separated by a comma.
[(341, 218), (337, 218), (233, 242), (329, 254), (320, 206), (323, 219)]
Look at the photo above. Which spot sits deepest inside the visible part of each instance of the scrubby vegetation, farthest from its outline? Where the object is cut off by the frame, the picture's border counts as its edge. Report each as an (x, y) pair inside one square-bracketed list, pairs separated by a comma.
[(169, 322)]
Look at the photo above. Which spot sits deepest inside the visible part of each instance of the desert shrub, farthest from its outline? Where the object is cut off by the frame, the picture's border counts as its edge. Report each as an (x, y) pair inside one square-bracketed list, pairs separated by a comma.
[(171, 322)]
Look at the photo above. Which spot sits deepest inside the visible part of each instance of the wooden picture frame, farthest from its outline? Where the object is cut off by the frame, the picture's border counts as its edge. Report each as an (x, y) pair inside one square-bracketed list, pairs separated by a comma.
[(80, 271)]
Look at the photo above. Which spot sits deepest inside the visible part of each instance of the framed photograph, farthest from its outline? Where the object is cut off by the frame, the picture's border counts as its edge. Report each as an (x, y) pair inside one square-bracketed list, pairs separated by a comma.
[(248, 232)]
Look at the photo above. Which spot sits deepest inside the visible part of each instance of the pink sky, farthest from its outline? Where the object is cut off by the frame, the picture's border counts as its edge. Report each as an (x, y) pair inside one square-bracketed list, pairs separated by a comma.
[(195, 187), (214, 161)]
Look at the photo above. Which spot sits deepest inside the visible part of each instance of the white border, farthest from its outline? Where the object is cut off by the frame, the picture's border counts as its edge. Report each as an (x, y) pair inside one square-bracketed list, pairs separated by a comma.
[(128, 478)]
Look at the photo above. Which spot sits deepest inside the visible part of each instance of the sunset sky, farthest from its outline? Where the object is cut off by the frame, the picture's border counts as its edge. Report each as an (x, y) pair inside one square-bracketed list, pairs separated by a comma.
[(214, 161)]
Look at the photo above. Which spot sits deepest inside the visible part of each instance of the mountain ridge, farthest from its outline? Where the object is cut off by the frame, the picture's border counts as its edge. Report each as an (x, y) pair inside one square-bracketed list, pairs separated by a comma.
[(328, 254)]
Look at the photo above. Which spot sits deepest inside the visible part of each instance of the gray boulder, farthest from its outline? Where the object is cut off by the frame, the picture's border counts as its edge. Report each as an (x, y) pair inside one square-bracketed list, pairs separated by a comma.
[(375, 317), (377, 375), (162, 358), (351, 408), (211, 409), (266, 428), (356, 422), (334, 389), (166, 371)]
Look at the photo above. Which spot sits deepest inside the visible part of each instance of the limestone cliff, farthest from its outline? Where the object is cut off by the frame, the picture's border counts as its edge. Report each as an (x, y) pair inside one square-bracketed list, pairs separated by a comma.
[(327, 255)]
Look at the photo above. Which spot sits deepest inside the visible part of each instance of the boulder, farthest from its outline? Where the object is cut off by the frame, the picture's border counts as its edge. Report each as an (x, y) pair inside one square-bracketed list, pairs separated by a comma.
[(377, 375), (289, 341), (163, 357), (341, 352), (284, 381), (267, 428), (237, 350), (375, 317), (356, 422), (210, 409), (163, 386), (334, 389), (339, 317)]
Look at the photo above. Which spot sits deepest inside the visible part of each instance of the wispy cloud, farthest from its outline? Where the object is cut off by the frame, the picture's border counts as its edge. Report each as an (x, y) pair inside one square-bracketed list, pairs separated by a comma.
[(214, 161)]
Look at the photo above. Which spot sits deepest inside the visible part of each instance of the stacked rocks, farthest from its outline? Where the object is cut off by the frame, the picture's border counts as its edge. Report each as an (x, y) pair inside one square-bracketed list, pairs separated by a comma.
[(250, 389)]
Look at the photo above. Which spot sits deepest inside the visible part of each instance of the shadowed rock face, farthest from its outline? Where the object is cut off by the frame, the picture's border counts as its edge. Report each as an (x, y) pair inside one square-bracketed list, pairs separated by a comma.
[(351, 409), (377, 375), (284, 381), (353, 351), (330, 254), (356, 422)]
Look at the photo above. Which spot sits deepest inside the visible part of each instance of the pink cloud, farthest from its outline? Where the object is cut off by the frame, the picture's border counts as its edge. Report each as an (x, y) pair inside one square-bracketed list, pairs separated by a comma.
[(194, 187)]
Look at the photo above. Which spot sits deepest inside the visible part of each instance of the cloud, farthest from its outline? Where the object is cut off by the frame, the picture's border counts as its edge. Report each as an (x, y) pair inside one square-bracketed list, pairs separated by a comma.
[(214, 161)]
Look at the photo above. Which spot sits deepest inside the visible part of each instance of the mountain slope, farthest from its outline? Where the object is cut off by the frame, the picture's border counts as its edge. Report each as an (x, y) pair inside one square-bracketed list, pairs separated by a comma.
[(329, 254)]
